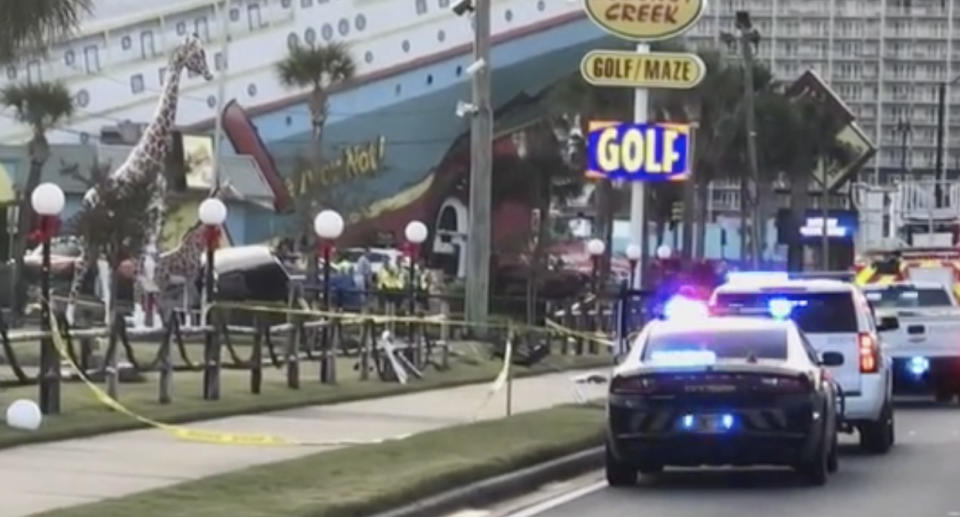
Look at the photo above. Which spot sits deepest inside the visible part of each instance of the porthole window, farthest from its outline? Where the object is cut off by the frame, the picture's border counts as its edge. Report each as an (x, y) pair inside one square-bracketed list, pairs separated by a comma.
[(126, 43), (306, 3), (285, 3), (83, 98), (310, 36), (405, 45), (441, 35), (293, 40), (289, 120), (459, 70), (252, 90), (136, 83), (234, 14), (212, 101), (430, 79), (368, 57), (181, 28), (360, 22), (69, 57), (397, 89), (508, 15), (343, 27), (84, 138), (541, 5), (327, 31)]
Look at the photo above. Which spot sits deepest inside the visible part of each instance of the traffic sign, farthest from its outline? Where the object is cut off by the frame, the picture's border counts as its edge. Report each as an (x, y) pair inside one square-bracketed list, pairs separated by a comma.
[(633, 70), (645, 20), (638, 151)]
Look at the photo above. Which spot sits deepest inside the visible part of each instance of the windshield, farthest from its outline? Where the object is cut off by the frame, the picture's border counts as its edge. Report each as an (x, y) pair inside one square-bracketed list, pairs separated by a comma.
[(904, 297), (813, 312), (728, 344)]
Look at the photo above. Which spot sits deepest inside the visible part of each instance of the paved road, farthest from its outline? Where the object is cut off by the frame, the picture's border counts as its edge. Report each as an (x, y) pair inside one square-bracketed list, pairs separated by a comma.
[(41, 477), (920, 477)]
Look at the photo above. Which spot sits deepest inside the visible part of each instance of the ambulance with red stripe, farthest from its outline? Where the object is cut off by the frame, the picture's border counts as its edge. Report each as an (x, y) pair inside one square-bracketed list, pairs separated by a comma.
[(915, 292)]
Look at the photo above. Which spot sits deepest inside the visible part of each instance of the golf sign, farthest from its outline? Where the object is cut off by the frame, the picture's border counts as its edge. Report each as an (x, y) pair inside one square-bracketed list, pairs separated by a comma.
[(638, 151)]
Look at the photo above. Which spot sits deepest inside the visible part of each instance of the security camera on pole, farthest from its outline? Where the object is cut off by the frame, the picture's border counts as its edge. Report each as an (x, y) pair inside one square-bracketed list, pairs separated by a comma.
[(642, 21)]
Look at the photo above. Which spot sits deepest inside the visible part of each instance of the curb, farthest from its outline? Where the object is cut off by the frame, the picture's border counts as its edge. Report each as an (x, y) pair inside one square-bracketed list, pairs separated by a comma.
[(484, 492)]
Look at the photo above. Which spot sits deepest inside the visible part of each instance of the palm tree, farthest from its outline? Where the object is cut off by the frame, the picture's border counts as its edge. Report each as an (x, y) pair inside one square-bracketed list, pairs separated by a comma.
[(538, 176), (319, 68), (40, 106), (30, 25), (716, 105)]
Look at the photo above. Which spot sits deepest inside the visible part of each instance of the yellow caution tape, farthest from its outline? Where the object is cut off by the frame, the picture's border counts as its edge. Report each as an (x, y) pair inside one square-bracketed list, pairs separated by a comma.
[(195, 435), (864, 275), (501, 379)]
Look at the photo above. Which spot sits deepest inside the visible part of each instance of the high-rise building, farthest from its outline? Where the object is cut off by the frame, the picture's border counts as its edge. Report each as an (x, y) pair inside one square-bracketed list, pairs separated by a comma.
[(885, 58)]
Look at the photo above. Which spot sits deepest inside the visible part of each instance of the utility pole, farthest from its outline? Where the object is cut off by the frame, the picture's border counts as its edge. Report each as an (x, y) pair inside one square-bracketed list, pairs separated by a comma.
[(481, 170), (221, 13), (904, 128)]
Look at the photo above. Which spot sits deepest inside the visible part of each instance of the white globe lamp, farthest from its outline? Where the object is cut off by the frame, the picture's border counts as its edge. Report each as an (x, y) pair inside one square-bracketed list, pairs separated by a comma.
[(328, 224), (664, 252), (47, 199), (212, 212), (596, 247), (634, 252), (24, 414), (416, 232)]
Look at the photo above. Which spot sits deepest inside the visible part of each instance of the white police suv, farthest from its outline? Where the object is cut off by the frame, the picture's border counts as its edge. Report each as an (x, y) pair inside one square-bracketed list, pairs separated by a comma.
[(835, 316)]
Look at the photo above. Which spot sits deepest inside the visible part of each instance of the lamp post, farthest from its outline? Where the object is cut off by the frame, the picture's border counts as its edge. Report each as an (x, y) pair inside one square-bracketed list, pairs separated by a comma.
[(634, 252), (328, 225), (47, 201), (596, 249), (212, 214), (416, 233), (664, 252)]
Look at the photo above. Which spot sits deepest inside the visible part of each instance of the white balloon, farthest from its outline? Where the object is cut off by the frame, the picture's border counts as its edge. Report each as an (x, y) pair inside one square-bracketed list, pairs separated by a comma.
[(24, 414)]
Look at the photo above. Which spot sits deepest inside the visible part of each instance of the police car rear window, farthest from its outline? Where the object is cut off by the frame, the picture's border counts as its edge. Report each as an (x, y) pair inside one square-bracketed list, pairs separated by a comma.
[(902, 297), (727, 344), (813, 312)]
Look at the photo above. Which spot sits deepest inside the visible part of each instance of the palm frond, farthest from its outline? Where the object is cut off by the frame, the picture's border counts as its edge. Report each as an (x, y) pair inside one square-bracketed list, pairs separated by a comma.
[(41, 105), (31, 25), (317, 66)]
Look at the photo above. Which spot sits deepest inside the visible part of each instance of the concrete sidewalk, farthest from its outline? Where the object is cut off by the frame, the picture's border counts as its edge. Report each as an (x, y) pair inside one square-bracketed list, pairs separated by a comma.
[(41, 477)]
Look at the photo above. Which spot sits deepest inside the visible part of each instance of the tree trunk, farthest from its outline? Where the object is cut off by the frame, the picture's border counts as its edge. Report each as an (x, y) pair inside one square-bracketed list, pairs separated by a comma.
[(536, 261), (799, 200), (689, 195), (703, 198), (603, 208), (39, 152)]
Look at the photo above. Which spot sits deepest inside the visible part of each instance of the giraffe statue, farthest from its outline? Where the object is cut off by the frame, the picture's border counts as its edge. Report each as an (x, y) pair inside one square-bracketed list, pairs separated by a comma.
[(181, 263), (145, 164)]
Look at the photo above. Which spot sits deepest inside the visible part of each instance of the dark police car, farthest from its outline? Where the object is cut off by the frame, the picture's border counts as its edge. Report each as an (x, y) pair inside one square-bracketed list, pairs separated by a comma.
[(722, 391)]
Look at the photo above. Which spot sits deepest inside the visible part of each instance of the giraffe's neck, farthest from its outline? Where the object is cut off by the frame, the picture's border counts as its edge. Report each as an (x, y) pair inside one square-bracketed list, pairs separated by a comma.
[(153, 144)]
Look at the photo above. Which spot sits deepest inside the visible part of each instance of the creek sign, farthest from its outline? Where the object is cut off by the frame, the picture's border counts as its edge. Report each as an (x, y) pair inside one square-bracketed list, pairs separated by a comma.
[(645, 20)]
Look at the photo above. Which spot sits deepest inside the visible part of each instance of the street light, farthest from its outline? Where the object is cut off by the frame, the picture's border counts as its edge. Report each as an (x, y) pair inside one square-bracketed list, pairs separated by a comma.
[(596, 249), (634, 253), (212, 214), (328, 225), (664, 252), (47, 201), (416, 233)]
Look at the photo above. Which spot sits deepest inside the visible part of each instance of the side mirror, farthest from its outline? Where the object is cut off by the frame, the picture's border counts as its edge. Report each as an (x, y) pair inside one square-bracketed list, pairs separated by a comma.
[(831, 359), (888, 323)]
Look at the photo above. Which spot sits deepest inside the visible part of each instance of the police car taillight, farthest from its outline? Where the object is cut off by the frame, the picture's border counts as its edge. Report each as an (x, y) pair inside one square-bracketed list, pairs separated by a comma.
[(869, 353), (634, 385)]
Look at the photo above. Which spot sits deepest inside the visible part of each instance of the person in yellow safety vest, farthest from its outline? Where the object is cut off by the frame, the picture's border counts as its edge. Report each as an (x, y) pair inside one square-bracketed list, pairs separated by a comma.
[(390, 281)]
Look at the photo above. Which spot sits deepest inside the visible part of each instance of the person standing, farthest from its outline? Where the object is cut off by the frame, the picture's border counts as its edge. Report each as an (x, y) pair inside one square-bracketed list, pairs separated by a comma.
[(362, 272)]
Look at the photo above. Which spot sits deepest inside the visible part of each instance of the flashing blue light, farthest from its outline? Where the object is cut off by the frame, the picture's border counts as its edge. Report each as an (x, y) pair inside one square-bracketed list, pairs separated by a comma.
[(687, 422), (727, 421), (681, 307), (780, 308), (918, 365)]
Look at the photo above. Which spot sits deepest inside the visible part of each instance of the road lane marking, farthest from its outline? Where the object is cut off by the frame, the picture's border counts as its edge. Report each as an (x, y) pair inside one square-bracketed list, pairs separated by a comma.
[(560, 500)]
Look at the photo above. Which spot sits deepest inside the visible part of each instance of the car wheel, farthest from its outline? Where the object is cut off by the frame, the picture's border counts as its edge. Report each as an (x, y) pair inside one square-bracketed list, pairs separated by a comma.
[(619, 474), (650, 469), (816, 468), (877, 437), (833, 460)]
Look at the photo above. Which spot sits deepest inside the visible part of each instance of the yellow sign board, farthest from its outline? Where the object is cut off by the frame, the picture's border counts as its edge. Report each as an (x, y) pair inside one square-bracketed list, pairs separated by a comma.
[(645, 20), (633, 70)]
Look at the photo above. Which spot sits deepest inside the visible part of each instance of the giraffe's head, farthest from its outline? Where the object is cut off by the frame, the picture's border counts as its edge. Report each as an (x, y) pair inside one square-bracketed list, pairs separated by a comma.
[(192, 56)]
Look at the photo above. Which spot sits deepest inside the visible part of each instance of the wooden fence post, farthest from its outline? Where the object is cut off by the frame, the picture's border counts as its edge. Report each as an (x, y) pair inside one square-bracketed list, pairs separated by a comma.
[(166, 365), (256, 361), (292, 357)]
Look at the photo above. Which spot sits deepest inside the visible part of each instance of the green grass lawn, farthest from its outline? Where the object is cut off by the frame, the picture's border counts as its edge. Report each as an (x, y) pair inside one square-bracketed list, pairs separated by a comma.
[(366, 479), (83, 415)]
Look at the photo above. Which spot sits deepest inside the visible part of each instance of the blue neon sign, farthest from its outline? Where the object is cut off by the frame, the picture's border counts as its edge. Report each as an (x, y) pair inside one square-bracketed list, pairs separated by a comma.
[(638, 152)]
